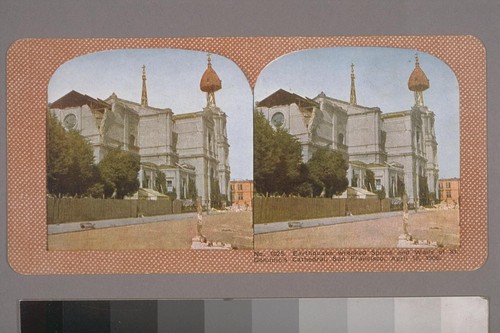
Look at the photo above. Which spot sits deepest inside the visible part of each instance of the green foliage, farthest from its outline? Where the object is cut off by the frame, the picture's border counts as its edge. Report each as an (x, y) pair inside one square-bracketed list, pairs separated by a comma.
[(265, 158), (288, 169), (303, 185), (277, 158), (172, 195), (278, 166), (96, 190), (327, 171), (118, 170), (70, 160)]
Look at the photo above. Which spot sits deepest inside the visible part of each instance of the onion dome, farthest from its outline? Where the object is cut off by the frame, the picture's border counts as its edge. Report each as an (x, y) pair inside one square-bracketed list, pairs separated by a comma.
[(210, 81), (418, 81)]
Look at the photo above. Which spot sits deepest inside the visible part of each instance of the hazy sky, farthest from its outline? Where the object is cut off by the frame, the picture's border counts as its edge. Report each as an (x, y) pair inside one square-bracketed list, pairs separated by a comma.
[(173, 81), (381, 80), (173, 78)]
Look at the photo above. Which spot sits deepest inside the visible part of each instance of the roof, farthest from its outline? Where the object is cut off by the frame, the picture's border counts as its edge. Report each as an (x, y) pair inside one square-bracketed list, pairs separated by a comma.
[(74, 98), (395, 114), (188, 115), (144, 193), (361, 191), (283, 97), (132, 103), (345, 103), (358, 163)]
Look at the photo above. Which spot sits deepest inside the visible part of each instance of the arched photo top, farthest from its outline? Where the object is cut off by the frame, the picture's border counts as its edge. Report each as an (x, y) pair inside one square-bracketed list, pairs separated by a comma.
[(381, 78), (172, 78)]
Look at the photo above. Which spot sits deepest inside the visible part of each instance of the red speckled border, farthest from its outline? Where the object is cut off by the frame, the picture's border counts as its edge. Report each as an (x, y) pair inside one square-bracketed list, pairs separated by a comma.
[(31, 63)]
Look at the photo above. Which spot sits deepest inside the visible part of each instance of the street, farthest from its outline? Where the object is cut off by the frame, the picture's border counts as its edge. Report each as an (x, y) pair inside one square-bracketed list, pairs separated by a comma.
[(234, 228), (441, 226)]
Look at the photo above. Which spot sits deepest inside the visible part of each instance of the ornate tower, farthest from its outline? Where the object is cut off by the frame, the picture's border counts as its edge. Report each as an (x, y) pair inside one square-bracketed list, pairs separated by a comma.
[(210, 83), (418, 82), (144, 97), (353, 87)]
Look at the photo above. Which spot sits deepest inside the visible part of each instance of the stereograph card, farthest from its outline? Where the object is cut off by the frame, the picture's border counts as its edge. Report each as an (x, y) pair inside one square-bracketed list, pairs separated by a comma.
[(247, 155)]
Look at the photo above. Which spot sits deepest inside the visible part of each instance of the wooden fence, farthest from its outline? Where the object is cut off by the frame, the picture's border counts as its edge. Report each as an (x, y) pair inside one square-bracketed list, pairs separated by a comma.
[(267, 210), (64, 210)]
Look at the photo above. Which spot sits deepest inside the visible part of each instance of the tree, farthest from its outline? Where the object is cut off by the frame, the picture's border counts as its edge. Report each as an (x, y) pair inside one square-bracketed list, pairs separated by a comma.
[(118, 170), (277, 158), (172, 194), (81, 175), (287, 170), (70, 160), (304, 187), (327, 171), (265, 157)]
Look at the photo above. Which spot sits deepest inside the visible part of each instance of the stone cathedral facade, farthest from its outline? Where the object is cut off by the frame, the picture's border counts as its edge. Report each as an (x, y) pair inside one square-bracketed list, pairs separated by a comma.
[(190, 149), (398, 147)]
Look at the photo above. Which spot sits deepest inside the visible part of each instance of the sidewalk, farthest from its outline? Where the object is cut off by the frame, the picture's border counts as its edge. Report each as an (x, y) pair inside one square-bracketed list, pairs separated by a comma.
[(300, 224), (54, 229)]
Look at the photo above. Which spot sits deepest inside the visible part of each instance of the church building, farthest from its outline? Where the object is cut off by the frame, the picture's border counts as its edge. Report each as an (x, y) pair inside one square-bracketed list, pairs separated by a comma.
[(190, 149), (400, 148)]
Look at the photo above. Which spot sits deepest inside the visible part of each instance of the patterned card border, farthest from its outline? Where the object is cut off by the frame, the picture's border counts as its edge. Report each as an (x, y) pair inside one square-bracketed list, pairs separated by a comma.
[(31, 63)]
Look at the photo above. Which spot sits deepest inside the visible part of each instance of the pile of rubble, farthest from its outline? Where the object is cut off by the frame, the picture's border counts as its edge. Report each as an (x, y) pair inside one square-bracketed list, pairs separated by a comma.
[(407, 241), (201, 243)]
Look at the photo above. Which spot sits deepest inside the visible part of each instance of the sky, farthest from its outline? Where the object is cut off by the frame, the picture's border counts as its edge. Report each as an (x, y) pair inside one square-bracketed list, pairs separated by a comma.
[(381, 81), (173, 78), (173, 81)]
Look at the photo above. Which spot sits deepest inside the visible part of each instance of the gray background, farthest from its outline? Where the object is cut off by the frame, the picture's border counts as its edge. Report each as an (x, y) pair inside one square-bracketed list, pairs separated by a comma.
[(188, 18)]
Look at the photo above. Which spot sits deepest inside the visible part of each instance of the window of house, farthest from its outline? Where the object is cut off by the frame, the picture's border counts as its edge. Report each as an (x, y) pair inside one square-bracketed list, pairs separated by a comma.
[(448, 185), (240, 187), (448, 194), (240, 196)]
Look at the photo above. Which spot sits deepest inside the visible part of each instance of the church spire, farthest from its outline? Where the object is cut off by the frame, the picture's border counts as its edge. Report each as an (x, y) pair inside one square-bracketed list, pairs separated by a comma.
[(353, 87), (418, 82), (144, 97), (210, 83)]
